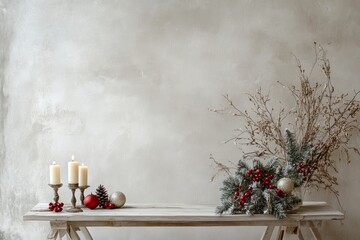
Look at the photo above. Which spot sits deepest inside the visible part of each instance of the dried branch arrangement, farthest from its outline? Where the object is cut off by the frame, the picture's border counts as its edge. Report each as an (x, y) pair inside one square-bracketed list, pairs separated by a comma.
[(320, 118)]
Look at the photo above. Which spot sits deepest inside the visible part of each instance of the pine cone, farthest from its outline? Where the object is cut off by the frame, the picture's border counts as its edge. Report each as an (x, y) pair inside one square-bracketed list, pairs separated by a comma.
[(102, 194)]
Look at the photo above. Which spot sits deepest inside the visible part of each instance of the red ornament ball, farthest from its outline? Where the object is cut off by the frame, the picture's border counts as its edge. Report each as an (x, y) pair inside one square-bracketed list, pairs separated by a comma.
[(91, 201)]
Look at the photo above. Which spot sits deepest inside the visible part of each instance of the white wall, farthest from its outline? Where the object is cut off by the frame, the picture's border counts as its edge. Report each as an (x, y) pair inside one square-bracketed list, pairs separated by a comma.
[(125, 85)]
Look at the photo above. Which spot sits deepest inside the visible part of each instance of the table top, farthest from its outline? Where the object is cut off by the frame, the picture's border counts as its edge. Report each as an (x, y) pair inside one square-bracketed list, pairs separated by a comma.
[(180, 215)]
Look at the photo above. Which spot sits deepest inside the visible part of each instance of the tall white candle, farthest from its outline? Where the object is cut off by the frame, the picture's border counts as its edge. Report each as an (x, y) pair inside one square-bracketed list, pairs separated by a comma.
[(54, 173), (73, 171), (83, 175)]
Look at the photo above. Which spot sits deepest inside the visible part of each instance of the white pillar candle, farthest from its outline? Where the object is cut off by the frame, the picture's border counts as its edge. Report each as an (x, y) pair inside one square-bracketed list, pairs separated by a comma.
[(54, 173), (73, 171), (83, 175)]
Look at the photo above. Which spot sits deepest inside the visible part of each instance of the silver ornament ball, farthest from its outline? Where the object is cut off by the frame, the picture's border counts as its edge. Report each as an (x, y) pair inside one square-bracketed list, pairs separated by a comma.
[(286, 185), (118, 199)]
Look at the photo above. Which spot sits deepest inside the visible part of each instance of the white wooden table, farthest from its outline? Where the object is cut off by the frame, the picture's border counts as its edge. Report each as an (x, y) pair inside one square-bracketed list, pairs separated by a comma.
[(66, 224)]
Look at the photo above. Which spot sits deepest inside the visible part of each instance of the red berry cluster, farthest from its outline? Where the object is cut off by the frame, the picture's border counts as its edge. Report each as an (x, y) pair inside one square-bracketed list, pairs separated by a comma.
[(257, 176), (244, 197), (304, 169), (57, 206), (280, 193)]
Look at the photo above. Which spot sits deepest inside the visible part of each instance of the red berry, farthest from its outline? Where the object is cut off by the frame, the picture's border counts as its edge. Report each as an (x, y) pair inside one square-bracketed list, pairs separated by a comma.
[(112, 206), (250, 188), (106, 205), (247, 194), (57, 209), (51, 208), (236, 195), (279, 192), (267, 183), (249, 172), (61, 204), (258, 171), (271, 186), (51, 204)]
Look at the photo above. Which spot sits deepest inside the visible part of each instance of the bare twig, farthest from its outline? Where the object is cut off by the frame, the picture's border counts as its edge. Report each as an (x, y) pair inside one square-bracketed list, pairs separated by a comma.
[(322, 119)]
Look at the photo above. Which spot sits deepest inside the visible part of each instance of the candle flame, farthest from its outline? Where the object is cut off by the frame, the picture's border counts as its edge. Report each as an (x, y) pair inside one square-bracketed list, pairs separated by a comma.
[(82, 164), (53, 162), (72, 157)]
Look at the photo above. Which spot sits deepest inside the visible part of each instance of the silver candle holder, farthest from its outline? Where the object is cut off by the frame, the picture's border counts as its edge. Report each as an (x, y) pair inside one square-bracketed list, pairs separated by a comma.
[(73, 209)]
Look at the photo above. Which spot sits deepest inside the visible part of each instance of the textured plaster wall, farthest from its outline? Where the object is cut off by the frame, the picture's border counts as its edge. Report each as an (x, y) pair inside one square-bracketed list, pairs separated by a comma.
[(125, 86)]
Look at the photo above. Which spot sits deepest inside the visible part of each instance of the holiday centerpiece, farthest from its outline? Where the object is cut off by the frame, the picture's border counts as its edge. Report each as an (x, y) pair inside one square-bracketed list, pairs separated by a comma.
[(321, 122), (266, 188), (78, 178)]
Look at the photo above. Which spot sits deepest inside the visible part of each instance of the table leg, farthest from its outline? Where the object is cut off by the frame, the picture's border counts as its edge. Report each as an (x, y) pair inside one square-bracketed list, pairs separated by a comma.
[(62, 233), (86, 233), (59, 230), (315, 232), (281, 233), (67, 234), (299, 235), (73, 234), (268, 232), (52, 234)]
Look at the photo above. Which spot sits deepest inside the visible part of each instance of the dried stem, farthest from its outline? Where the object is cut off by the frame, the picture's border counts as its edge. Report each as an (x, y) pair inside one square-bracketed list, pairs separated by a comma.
[(321, 119)]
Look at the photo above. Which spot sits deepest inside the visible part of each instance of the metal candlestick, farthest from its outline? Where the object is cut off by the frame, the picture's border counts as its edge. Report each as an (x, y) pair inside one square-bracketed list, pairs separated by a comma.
[(73, 187), (82, 189), (56, 188)]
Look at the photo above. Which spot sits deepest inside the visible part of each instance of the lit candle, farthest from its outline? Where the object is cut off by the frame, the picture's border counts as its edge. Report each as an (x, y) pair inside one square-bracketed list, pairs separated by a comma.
[(73, 171), (83, 175), (54, 173)]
